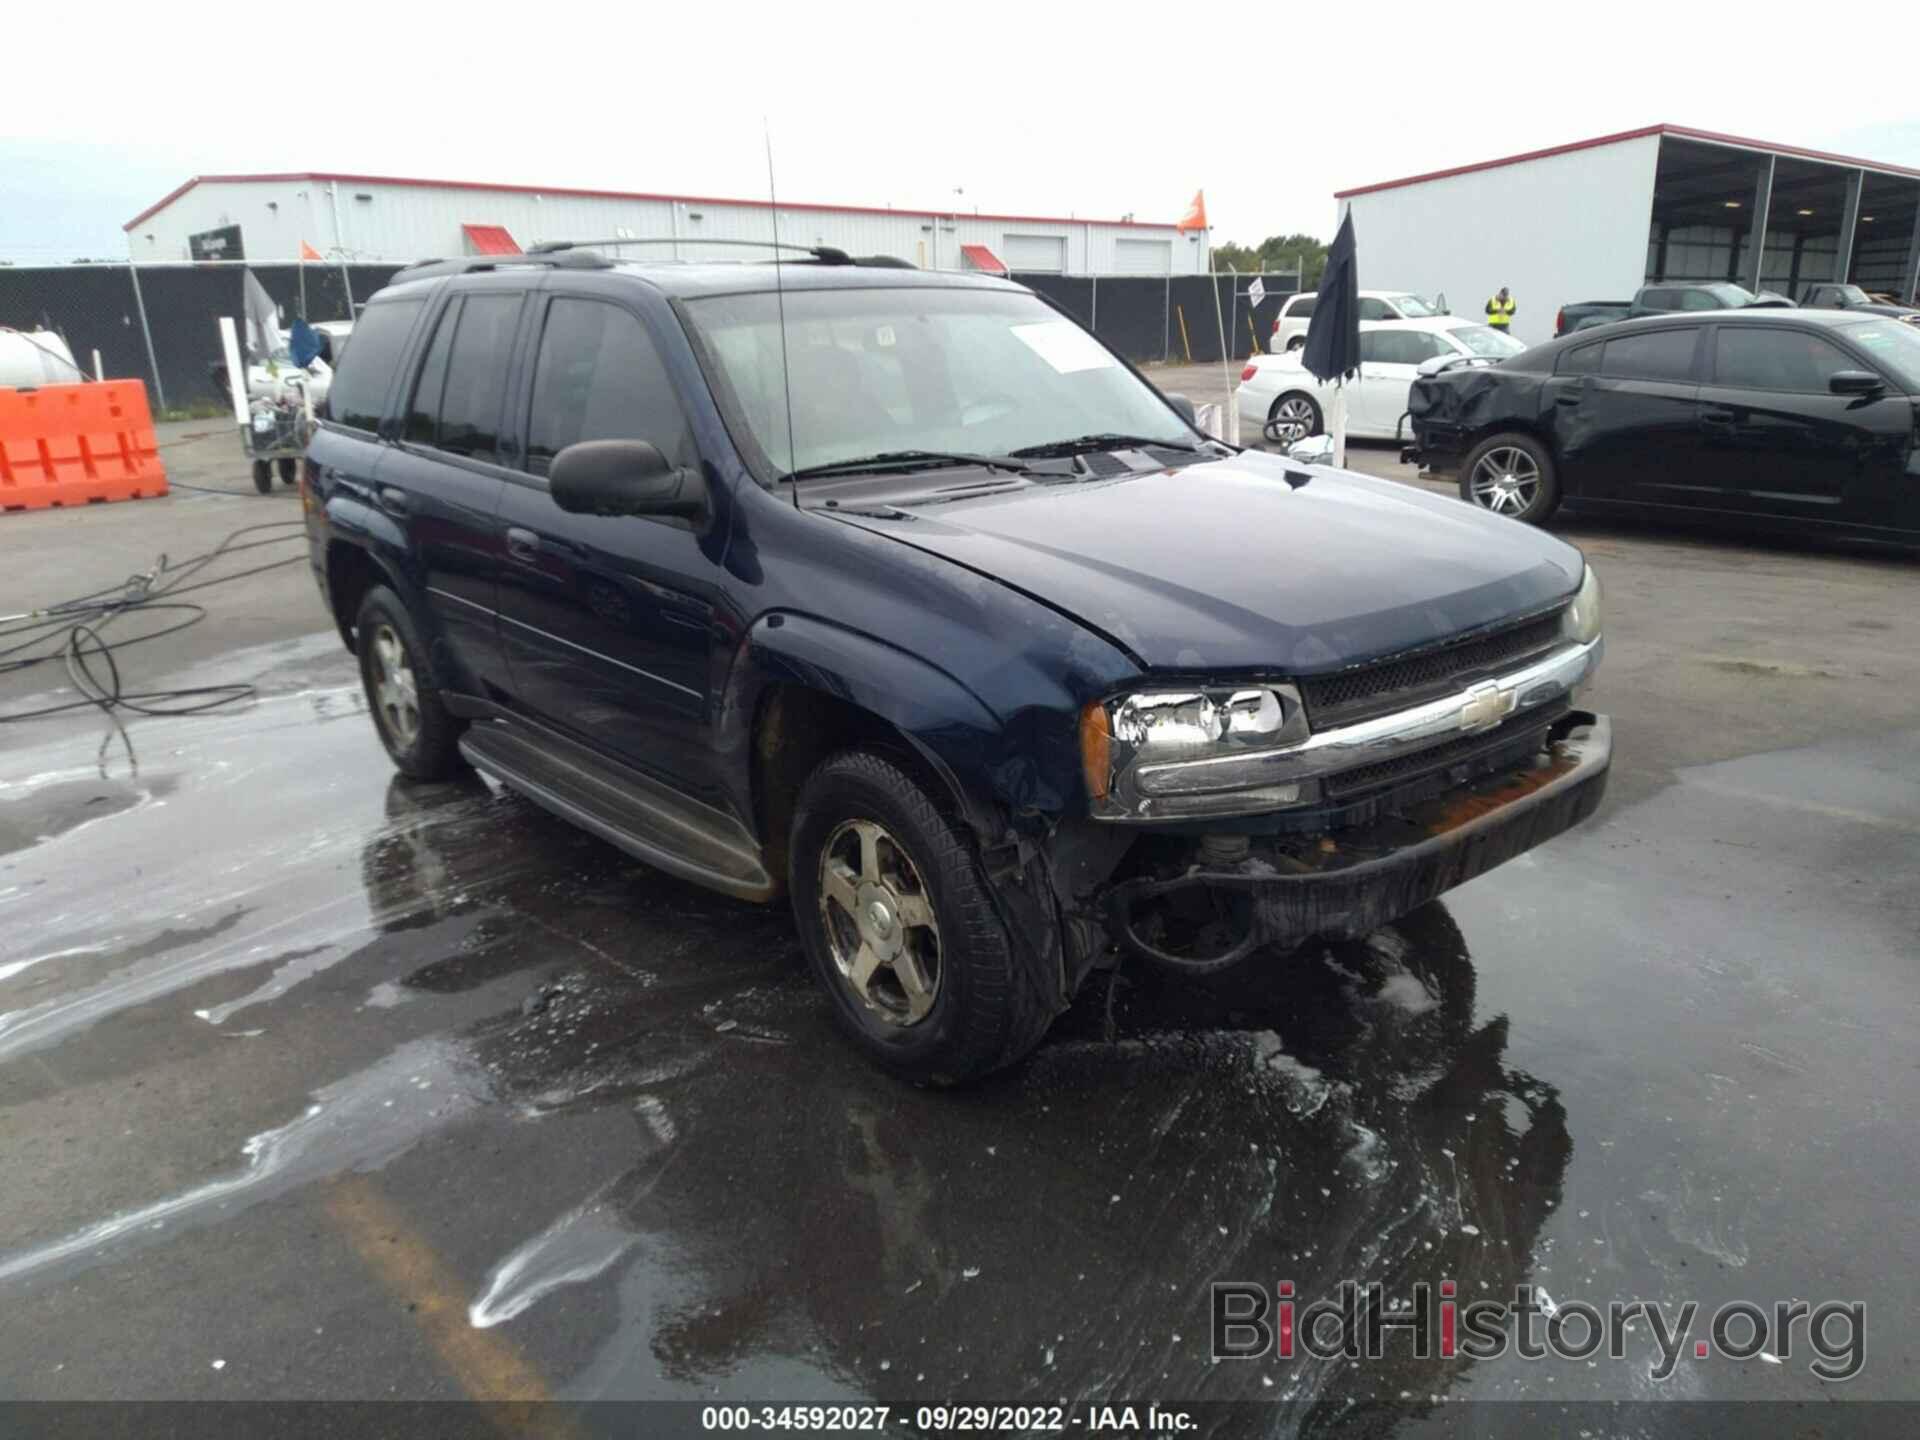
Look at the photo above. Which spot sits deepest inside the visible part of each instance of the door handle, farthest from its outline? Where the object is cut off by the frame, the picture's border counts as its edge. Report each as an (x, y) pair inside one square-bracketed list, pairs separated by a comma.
[(393, 500), (1567, 397), (1716, 417), (522, 544)]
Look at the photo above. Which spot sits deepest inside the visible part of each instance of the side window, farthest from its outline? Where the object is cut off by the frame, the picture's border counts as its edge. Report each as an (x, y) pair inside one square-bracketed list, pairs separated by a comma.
[(1776, 359), (365, 376), (599, 377), (423, 415), (1698, 300), (1300, 308), (1374, 347), (1582, 360), (1658, 300), (1375, 309), (477, 376), (1661, 355)]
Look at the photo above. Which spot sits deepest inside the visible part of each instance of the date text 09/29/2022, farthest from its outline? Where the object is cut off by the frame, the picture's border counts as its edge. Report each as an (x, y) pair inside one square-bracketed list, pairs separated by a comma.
[(1150, 1419)]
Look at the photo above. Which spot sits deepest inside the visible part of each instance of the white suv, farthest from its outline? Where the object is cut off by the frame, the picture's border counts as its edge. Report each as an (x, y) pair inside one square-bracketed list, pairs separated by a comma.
[(1290, 325)]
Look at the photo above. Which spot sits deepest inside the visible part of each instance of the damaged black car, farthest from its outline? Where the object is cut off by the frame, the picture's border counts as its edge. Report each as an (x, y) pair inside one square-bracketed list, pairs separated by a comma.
[(901, 597)]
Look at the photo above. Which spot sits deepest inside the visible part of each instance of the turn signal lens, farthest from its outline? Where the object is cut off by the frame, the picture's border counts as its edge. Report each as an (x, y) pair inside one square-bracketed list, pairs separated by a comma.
[(1096, 750)]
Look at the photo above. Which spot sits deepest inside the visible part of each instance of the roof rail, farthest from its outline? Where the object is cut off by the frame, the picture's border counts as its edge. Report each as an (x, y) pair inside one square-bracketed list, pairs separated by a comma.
[(468, 264), (826, 254)]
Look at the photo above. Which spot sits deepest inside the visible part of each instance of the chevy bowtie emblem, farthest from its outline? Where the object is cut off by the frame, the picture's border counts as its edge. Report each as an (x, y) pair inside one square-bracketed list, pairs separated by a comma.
[(1486, 707)]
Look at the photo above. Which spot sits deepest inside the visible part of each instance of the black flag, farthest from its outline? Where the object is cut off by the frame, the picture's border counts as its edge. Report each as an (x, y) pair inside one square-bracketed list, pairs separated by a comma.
[(1332, 350)]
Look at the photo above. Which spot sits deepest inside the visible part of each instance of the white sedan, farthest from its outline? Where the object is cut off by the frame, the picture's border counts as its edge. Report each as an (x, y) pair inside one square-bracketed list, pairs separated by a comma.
[(1279, 399)]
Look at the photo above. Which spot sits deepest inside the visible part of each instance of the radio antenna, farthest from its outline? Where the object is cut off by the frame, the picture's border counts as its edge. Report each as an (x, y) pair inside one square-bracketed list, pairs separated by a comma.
[(780, 300)]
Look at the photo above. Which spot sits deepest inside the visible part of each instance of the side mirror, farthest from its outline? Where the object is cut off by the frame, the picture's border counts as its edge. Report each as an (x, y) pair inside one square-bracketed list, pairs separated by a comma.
[(624, 477), (1185, 406), (1855, 382)]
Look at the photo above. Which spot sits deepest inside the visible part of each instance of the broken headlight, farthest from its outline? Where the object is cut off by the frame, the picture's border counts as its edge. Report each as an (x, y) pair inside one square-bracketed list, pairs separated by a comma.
[(1580, 621), (1181, 754)]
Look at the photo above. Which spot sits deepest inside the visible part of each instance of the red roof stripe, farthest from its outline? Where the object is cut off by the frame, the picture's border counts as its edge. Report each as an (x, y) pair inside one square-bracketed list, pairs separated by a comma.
[(909, 213), (1678, 132)]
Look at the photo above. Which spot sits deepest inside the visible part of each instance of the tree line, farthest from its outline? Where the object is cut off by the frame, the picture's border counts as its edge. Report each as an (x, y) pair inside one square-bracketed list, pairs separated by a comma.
[(1276, 252)]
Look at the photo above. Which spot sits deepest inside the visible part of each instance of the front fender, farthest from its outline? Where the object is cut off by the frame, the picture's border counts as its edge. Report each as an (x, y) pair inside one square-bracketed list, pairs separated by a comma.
[(948, 726)]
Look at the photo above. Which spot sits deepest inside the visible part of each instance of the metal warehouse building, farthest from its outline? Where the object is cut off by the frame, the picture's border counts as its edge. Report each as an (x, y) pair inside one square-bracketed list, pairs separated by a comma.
[(375, 218), (1597, 219)]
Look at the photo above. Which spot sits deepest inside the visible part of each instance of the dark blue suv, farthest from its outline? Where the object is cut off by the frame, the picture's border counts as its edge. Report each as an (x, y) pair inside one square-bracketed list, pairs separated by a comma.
[(901, 594)]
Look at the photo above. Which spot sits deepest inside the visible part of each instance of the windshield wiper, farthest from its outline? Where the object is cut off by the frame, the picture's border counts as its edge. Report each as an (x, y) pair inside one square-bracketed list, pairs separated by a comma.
[(907, 460), (1082, 444)]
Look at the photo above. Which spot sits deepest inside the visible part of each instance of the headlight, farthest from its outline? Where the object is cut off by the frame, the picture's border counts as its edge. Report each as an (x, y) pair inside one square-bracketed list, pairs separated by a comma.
[(1139, 751), (1581, 620)]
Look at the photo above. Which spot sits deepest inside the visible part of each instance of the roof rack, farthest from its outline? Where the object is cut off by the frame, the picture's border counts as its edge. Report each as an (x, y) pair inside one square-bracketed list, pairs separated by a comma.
[(826, 254), (468, 264)]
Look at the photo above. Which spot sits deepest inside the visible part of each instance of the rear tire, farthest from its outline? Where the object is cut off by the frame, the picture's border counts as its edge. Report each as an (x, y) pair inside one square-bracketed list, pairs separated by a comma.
[(1298, 342), (263, 476), (421, 736), (901, 927), (1511, 474), (288, 470), (1292, 418)]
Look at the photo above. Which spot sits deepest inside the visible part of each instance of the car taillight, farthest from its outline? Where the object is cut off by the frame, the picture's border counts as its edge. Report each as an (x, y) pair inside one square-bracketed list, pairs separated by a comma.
[(1253, 369), (1276, 324), (1560, 322)]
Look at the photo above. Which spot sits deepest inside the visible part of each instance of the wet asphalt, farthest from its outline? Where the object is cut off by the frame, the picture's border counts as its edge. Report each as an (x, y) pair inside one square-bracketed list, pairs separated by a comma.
[(316, 1083)]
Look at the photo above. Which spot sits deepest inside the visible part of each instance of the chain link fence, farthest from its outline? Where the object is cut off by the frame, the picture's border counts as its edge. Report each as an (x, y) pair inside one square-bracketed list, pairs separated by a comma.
[(160, 322)]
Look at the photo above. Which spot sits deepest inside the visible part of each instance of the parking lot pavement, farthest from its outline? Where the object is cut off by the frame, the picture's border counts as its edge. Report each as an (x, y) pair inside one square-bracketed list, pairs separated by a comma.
[(316, 1083)]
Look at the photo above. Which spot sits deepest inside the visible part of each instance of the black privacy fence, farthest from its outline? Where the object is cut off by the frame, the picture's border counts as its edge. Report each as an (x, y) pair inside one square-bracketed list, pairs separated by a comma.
[(114, 309), (160, 323), (1153, 318)]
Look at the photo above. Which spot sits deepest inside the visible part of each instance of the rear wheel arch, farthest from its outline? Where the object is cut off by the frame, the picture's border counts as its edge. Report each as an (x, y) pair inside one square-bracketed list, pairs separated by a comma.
[(351, 573)]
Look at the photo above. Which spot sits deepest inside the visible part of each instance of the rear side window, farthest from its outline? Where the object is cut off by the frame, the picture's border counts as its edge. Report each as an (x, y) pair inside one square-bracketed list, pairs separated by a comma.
[(1659, 300), (599, 377), (477, 376), (1300, 308), (1776, 360), (1372, 309), (1699, 300), (365, 378), (1581, 360), (1661, 355)]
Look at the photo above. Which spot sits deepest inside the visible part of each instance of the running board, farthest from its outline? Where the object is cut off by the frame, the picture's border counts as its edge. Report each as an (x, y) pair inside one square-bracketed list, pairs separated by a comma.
[(640, 815)]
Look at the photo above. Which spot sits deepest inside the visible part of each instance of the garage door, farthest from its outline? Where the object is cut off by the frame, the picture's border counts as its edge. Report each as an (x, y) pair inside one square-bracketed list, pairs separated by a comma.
[(1047, 253), (1143, 257)]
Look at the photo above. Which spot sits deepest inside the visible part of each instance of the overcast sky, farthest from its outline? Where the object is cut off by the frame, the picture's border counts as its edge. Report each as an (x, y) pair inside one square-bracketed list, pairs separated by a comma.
[(1097, 111)]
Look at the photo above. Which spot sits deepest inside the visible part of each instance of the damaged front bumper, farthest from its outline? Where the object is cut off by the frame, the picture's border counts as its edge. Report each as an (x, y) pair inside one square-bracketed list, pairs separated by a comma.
[(1287, 889)]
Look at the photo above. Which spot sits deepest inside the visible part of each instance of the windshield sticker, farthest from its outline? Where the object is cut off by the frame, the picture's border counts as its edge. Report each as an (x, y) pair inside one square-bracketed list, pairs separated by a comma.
[(1064, 346)]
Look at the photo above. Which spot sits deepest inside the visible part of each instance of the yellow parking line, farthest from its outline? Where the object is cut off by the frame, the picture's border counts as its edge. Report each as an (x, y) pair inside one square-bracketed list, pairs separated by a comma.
[(487, 1365)]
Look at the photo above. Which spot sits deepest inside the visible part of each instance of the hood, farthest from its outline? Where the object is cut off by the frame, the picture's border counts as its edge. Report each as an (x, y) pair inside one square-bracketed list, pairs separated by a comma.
[(1228, 565)]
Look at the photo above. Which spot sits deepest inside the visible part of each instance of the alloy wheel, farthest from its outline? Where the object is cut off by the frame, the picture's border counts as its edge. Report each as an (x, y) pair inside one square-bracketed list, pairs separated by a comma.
[(879, 923), (1505, 480), (1292, 420), (394, 690)]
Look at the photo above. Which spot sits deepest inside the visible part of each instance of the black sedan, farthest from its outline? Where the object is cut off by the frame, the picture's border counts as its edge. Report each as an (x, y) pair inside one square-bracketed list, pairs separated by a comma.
[(1765, 417)]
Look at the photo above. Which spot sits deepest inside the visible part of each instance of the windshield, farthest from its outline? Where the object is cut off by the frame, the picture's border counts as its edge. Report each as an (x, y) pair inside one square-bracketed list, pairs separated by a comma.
[(1895, 347), (1731, 296), (886, 370), (1485, 340), (1852, 294), (1414, 307)]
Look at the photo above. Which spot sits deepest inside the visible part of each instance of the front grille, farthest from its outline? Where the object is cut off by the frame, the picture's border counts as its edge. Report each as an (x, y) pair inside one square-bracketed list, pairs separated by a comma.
[(1452, 761), (1369, 690)]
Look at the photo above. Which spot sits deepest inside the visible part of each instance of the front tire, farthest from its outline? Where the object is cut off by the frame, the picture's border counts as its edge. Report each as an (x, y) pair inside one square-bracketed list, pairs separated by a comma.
[(901, 928), (1512, 475), (421, 736)]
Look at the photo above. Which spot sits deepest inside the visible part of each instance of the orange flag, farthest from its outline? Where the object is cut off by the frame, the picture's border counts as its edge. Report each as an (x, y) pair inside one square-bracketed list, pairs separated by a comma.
[(1196, 216), (307, 252)]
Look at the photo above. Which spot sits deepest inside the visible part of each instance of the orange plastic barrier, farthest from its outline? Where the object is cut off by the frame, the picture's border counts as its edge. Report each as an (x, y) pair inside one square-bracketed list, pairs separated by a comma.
[(77, 445)]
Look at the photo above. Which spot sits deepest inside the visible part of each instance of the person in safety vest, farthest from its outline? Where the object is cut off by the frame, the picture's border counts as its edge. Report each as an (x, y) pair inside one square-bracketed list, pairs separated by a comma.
[(1500, 310)]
